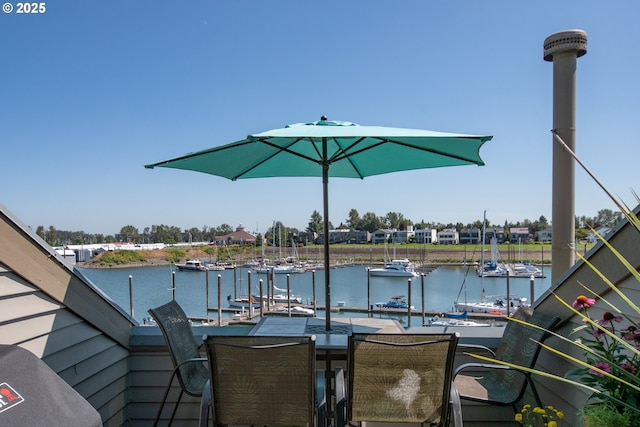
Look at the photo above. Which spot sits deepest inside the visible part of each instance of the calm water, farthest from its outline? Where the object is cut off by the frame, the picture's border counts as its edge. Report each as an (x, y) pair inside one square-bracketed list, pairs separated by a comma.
[(152, 287)]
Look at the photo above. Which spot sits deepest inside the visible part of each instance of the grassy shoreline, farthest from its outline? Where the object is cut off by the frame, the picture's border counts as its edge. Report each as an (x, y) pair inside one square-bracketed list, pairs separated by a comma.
[(373, 254)]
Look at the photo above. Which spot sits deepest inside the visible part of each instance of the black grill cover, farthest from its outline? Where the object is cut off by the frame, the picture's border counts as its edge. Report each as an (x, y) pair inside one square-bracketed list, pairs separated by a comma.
[(31, 394)]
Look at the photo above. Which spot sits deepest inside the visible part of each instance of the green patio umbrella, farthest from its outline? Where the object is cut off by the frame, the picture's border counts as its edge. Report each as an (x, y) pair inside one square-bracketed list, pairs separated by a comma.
[(331, 148)]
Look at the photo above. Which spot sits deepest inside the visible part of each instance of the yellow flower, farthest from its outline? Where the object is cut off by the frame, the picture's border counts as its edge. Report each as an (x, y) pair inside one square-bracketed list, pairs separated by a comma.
[(560, 414), (526, 407), (552, 424), (519, 418)]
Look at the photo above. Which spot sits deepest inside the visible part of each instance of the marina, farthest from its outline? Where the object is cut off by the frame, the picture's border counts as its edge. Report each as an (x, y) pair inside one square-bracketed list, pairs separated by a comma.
[(196, 292)]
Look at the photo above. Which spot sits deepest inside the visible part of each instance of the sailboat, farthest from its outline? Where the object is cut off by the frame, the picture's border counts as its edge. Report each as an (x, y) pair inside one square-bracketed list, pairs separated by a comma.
[(499, 304), (492, 268)]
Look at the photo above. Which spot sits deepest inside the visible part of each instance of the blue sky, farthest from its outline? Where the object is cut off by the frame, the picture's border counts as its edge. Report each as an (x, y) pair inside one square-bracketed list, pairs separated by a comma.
[(94, 90)]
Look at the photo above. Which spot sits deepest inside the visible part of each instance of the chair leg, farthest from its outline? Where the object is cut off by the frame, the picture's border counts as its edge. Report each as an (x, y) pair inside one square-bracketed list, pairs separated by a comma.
[(205, 403), (175, 408), (164, 399), (535, 392), (456, 407)]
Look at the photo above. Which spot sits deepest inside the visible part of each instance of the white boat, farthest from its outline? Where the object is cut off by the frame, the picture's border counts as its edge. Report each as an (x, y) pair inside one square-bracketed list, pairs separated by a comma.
[(455, 322), (214, 267), (497, 305), (243, 302), (192, 265), (279, 269), (395, 268), (300, 311), (526, 270), (281, 299)]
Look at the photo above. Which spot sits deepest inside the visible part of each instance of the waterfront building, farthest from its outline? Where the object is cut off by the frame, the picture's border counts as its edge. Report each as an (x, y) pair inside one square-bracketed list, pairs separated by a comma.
[(470, 236), (448, 236), (426, 235), (519, 235)]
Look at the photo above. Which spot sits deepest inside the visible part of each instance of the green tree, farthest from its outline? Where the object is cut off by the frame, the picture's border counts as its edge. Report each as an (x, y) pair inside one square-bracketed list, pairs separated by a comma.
[(371, 222), (196, 234), (316, 224), (607, 218), (52, 236), (353, 221), (129, 233)]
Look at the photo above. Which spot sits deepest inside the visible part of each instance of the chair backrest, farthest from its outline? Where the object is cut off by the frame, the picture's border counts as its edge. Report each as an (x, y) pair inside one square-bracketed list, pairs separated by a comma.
[(262, 380), (519, 346), (176, 329), (400, 377)]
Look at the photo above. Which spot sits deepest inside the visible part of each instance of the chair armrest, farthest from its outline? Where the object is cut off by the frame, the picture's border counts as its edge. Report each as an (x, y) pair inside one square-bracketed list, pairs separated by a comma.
[(341, 400), (477, 347), (193, 359), (484, 366)]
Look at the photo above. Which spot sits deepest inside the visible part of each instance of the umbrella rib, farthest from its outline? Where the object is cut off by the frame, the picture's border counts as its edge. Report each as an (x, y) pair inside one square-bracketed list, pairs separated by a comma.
[(348, 156), (196, 154), (429, 150), (265, 159)]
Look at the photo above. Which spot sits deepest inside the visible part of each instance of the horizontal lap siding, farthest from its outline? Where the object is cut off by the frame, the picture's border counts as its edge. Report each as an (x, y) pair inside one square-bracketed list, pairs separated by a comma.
[(95, 365)]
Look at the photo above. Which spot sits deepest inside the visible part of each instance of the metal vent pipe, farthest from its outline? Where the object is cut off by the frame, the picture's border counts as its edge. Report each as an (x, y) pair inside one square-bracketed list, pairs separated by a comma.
[(563, 49)]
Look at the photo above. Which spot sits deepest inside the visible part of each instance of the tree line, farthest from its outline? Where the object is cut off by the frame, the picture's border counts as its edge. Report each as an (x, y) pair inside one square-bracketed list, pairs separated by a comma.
[(281, 234)]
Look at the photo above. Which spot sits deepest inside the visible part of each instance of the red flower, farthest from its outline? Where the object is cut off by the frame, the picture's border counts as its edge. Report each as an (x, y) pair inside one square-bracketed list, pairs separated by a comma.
[(608, 317), (583, 302), (628, 367), (602, 366)]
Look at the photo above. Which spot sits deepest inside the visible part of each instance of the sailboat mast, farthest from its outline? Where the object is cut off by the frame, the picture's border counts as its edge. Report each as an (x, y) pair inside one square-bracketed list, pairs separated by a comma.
[(484, 235)]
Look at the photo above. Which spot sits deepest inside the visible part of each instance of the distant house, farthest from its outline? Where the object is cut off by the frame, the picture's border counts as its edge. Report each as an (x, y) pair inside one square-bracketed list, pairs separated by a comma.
[(381, 236), (593, 237), (498, 232), (448, 236), (470, 236), (426, 235), (345, 236), (238, 237), (519, 235), (402, 236), (544, 236)]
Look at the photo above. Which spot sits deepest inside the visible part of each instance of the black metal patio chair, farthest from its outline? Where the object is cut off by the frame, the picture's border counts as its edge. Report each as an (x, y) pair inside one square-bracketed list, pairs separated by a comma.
[(499, 384), (189, 366)]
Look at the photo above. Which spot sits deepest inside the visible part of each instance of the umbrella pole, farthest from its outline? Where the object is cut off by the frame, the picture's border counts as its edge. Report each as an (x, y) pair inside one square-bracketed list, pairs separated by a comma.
[(325, 197)]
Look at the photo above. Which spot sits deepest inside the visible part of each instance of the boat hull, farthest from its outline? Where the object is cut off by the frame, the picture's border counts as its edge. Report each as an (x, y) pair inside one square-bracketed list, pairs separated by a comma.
[(383, 272)]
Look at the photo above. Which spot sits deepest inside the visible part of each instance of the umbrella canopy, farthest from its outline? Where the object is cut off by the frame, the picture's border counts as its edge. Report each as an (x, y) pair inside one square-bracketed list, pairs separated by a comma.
[(330, 148)]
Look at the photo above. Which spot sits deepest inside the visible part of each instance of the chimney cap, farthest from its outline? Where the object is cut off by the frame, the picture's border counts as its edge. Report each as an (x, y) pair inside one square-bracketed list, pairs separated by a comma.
[(565, 41)]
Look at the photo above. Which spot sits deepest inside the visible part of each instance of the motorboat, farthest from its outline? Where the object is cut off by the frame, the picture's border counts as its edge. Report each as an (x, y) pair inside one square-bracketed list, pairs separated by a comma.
[(526, 270), (214, 267), (395, 268), (281, 299), (395, 302), (300, 311), (498, 305), (243, 302), (192, 265), (279, 269), (434, 321)]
